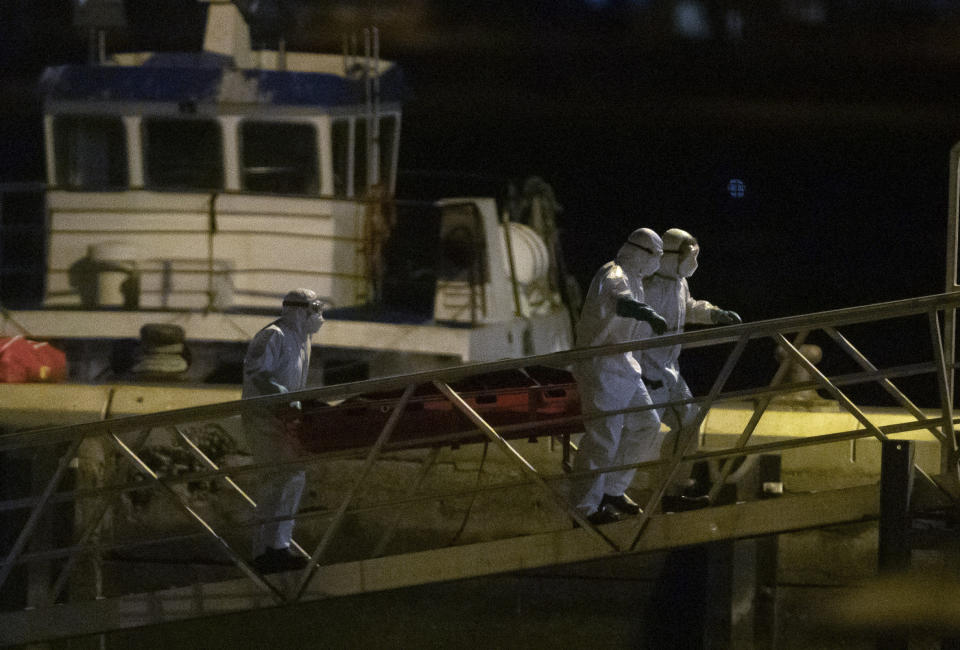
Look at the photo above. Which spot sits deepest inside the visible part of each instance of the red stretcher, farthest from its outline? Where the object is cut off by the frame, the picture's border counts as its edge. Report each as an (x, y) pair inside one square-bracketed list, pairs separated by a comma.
[(528, 403)]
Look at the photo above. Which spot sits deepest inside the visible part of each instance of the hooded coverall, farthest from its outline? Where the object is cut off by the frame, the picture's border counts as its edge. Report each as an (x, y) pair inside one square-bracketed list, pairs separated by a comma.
[(668, 293), (612, 382), (276, 362)]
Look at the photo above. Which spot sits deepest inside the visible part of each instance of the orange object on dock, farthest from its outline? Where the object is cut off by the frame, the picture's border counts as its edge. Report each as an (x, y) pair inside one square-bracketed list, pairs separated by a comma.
[(536, 402)]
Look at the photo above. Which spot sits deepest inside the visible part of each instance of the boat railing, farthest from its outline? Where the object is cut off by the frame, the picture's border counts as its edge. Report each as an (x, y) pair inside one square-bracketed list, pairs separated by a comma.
[(327, 531)]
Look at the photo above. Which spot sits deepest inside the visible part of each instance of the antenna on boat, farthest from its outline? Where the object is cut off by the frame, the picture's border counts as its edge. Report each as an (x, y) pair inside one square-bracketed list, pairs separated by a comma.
[(97, 16), (367, 67), (371, 51)]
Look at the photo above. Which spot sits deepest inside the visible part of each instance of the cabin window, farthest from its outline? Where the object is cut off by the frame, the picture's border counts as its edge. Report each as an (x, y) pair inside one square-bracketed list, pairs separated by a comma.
[(358, 164), (340, 136), (279, 157), (183, 154), (359, 157), (91, 152), (388, 138)]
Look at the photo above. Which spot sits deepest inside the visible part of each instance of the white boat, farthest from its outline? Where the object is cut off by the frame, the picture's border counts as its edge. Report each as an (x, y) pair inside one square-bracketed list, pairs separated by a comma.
[(196, 189)]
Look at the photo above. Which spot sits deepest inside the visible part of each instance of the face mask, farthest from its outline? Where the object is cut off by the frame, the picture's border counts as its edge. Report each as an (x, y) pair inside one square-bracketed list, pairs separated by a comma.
[(687, 266), (650, 265), (312, 316), (641, 264), (314, 321), (308, 317)]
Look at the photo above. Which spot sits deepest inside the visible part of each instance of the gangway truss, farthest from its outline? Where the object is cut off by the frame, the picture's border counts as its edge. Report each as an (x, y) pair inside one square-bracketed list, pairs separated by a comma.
[(372, 527)]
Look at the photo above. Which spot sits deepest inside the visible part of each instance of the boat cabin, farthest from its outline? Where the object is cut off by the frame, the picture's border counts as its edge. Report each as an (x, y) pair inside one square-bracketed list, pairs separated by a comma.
[(217, 179)]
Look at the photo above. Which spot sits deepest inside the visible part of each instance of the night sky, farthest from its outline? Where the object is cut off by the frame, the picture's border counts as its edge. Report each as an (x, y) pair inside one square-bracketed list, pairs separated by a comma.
[(839, 129)]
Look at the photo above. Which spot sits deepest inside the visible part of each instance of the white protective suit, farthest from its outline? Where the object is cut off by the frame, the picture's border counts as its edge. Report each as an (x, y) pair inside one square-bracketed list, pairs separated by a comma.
[(277, 361), (614, 382), (668, 293)]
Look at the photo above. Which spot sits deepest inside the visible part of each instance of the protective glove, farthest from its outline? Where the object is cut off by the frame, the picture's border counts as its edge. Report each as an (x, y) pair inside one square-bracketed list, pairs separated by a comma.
[(725, 317), (266, 384), (292, 418), (638, 310)]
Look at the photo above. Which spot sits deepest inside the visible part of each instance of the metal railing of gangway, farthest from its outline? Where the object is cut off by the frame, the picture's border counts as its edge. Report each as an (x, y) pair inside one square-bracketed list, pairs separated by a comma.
[(126, 437)]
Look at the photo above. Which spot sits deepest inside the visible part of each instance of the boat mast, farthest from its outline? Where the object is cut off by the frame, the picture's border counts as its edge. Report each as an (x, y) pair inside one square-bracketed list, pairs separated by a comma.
[(227, 33)]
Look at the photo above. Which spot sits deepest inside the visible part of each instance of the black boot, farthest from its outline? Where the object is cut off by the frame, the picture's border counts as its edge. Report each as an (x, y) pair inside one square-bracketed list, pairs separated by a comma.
[(622, 503), (602, 515), (275, 560), (682, 503)]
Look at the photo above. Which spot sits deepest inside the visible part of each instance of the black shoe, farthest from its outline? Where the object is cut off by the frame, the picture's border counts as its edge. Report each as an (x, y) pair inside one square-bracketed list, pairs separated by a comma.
[(624, 504), (603, 515), (683, 503), (600, 516), (275, 560)]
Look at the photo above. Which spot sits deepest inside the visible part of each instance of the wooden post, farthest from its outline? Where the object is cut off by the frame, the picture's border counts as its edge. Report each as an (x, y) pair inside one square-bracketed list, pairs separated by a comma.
[(722, 594), (896, 483), (14, 484), (893, 544)]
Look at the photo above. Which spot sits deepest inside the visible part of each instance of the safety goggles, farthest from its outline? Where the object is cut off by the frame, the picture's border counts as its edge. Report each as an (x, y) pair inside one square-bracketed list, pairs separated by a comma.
[(316, 306), (650, 251), (686, 249)]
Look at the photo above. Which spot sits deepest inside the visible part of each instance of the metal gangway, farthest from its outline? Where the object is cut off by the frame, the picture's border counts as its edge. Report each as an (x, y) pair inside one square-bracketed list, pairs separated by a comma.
[(362, 536)]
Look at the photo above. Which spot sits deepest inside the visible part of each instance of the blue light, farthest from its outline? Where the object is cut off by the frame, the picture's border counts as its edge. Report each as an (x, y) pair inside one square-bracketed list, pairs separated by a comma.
[(690, 20), (736, 188)]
